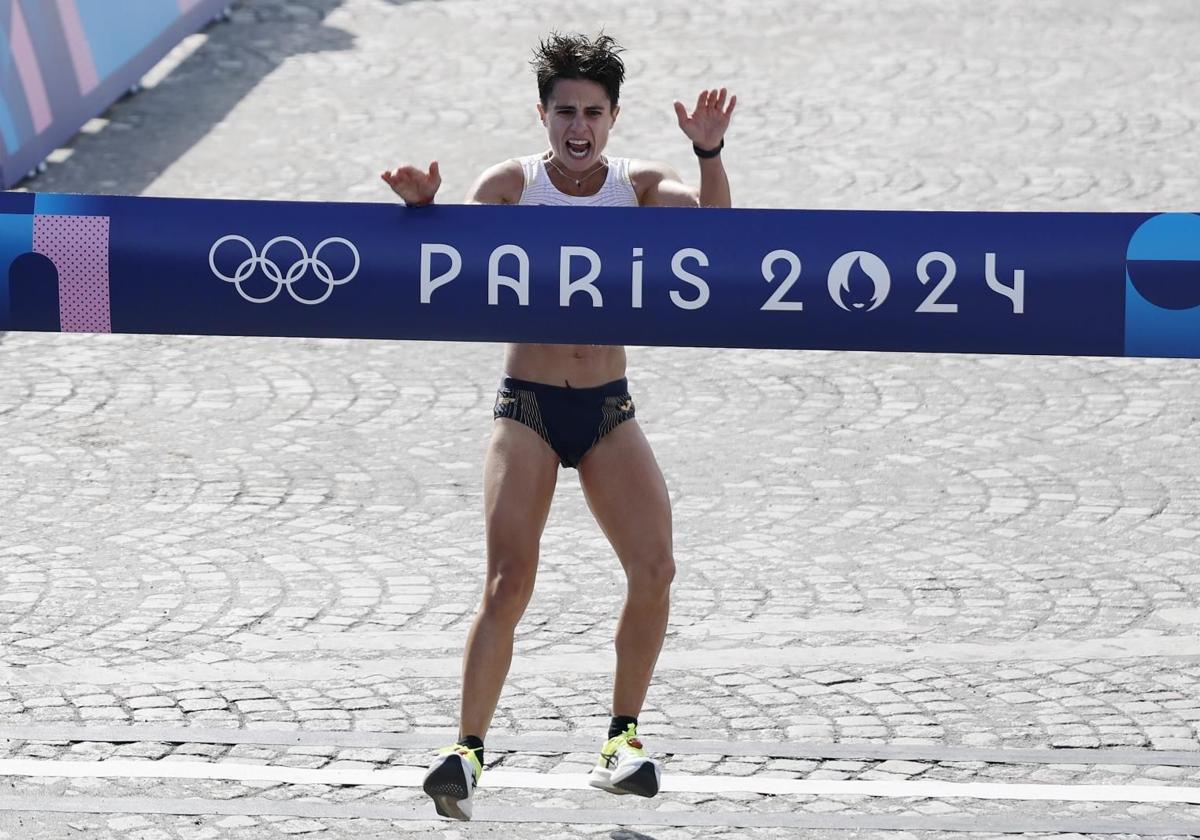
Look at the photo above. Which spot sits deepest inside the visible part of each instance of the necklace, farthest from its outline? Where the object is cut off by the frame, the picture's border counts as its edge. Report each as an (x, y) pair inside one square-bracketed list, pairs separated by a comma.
[(578, 181)]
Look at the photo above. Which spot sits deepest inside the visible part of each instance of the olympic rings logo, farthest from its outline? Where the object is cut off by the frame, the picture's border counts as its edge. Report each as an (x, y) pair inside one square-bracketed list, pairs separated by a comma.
[(271, 269)]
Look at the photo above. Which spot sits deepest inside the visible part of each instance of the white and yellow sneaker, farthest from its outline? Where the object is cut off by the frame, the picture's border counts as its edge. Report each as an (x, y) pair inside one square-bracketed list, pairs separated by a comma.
[(624, 768), (451, 781)]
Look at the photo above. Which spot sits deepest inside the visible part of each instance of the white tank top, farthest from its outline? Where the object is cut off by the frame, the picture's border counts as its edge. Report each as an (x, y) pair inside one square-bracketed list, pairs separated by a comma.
[(617, 190)]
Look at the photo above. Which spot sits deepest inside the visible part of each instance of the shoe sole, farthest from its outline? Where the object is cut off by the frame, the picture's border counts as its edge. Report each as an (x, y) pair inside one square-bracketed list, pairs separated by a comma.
[(601, 779), (641, 782), (447, 806), (446, 788)]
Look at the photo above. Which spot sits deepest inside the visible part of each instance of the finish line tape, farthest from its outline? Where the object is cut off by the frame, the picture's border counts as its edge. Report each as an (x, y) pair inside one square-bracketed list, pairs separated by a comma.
[(1080, 284)]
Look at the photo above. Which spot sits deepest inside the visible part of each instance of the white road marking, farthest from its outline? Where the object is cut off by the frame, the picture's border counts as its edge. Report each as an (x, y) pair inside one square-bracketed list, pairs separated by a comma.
[(672, 782)]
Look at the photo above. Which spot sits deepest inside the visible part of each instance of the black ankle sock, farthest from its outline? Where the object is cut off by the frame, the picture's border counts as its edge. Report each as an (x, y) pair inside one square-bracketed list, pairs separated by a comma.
[(619, 724), (473, 742)]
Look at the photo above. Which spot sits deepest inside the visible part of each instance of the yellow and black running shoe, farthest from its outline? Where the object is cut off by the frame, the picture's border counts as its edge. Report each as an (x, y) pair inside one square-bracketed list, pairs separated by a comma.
[(623, 766), (451, 781)]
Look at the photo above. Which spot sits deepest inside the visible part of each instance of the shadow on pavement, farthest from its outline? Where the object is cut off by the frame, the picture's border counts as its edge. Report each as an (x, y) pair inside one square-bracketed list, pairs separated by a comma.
[(150, 130), (629, 834)]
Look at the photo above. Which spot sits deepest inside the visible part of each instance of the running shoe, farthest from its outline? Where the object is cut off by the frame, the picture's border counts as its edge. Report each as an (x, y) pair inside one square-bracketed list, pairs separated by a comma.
[(451, 781), (624, 768)]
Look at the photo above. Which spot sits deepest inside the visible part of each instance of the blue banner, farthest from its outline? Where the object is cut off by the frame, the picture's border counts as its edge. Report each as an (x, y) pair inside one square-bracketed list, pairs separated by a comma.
[(1111, 284)]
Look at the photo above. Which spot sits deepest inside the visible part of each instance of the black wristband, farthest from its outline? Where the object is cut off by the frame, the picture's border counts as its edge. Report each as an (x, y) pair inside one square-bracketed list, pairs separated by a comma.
[(708, 154)]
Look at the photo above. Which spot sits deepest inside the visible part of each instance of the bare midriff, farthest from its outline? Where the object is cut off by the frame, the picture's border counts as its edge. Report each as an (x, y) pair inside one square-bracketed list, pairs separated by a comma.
[(574, 365)]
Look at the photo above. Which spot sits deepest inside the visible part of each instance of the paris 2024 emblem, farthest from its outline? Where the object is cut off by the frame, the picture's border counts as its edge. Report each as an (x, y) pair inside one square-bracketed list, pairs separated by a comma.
[(1162, 287)]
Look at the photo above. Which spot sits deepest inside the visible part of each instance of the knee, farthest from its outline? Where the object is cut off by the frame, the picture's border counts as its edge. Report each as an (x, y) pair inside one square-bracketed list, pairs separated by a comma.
[(652, 575), (506, 595)]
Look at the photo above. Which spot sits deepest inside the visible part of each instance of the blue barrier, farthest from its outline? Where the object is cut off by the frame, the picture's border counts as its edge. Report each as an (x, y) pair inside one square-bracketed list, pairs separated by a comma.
[(1108, 284), (62, 62)]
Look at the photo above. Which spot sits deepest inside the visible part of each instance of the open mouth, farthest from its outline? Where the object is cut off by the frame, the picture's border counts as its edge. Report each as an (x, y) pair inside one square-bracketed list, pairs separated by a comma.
[(579, 149)]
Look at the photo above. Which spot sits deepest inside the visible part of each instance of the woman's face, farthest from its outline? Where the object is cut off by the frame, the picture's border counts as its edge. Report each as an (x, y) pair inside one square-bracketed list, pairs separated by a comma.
[(578, 117)]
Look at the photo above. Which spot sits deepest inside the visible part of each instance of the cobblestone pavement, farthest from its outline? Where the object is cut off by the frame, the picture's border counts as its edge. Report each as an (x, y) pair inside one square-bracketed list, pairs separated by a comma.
[(223, 561)]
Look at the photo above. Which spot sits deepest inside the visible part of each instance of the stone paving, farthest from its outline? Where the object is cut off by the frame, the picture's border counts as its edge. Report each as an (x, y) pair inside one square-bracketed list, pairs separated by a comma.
[(952, 559)]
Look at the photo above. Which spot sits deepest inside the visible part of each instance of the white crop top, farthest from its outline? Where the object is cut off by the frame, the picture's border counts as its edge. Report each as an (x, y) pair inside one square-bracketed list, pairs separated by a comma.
[(617, 190)]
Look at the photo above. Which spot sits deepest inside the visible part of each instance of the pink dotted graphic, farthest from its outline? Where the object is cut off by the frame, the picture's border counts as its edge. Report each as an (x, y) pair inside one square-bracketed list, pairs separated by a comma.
[(78, 247)]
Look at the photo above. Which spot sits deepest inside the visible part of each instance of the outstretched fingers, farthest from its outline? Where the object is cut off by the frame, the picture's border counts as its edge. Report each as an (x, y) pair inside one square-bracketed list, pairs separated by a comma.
[(714, 99), (411, 173), (706, 125), (710, 102), (414, 184), (721, 103)]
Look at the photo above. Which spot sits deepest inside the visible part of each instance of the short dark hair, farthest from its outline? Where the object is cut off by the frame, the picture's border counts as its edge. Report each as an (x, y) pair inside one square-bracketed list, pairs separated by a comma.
[(579, 57)]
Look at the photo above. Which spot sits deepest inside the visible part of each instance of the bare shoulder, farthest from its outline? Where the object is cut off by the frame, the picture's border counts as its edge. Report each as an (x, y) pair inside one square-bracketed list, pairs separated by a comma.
[(499, 184), (658, 184)]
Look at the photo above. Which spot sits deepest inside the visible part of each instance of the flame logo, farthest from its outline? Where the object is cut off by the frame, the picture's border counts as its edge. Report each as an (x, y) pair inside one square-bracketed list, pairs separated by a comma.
[(1163, 261), (868, 264), (1162, 286)]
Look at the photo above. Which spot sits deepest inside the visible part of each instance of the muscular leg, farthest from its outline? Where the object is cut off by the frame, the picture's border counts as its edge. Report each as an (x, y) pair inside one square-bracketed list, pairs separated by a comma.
[(519, 475), (627, 495)]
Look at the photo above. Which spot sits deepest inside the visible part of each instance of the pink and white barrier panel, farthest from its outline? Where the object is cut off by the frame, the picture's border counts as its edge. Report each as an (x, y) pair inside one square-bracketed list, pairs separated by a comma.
[(63, 62)]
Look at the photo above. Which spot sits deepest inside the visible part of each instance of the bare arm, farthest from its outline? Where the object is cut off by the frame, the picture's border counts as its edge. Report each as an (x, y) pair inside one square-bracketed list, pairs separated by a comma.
[(500, 184), (661, 186), (714, 184), (658, 185)]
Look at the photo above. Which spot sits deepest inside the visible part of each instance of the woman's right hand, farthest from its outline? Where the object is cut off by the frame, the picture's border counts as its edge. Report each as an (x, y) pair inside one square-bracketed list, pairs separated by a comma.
[(413, 185)]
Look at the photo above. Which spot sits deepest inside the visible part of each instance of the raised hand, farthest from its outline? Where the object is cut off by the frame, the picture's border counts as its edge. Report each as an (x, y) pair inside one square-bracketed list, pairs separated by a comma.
[(413, 185), (706, 125)]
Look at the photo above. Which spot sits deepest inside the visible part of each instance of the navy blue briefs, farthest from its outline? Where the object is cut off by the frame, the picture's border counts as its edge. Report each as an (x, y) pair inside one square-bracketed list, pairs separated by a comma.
[(570, 420)]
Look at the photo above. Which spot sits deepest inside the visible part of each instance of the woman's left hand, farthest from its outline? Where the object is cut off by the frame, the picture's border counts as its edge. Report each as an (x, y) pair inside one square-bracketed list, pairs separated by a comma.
[(706, 125)]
